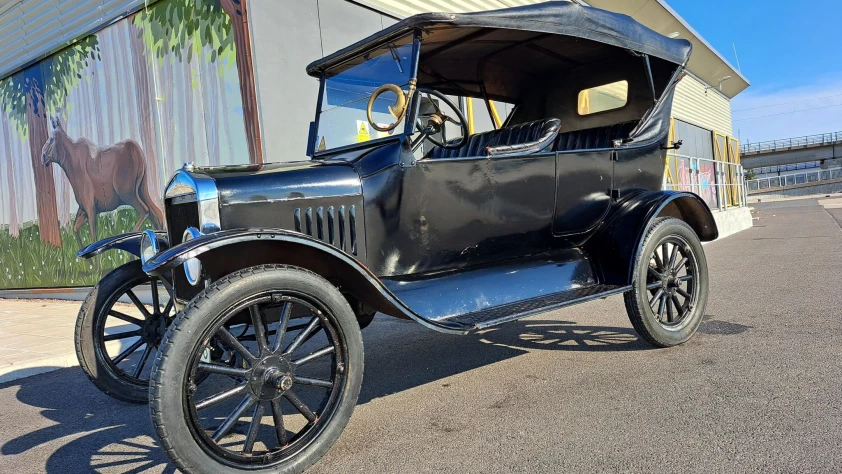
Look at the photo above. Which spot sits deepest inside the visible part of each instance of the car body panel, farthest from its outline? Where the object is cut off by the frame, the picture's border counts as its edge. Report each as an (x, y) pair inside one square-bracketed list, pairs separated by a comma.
[(583, 190)]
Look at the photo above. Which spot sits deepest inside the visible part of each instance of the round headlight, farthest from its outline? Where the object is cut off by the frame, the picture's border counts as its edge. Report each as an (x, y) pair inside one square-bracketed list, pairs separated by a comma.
[(148, 246), (192, 267)]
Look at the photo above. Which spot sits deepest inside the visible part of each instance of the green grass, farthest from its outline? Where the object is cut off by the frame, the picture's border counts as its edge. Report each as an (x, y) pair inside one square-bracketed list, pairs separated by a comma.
[(26, 262)]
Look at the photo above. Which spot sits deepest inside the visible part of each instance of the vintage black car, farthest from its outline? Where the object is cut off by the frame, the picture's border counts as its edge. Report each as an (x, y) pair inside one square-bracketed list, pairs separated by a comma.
[(402, 210)]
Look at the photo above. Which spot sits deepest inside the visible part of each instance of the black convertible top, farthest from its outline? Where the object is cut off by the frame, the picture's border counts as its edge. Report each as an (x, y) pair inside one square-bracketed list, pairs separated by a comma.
[(554, 18)]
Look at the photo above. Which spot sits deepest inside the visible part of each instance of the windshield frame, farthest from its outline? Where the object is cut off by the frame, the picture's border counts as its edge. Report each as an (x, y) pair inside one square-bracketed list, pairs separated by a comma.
[(409, 118)]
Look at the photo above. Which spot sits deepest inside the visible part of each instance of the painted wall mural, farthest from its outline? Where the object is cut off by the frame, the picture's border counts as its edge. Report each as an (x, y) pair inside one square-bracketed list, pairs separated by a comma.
[(89, 136), (705, 179)]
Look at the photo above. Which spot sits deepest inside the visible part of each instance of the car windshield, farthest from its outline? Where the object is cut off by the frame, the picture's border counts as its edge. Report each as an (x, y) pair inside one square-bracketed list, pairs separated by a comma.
[(343, 119)]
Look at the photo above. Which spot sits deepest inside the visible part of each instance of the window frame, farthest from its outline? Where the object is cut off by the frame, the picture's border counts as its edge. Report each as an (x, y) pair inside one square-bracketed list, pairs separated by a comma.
[(626, 104), (411, 107)]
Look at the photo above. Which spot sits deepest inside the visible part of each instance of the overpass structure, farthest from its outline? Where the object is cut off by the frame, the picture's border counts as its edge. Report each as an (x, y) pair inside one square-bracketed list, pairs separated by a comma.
[(799, 162), (825, 146)]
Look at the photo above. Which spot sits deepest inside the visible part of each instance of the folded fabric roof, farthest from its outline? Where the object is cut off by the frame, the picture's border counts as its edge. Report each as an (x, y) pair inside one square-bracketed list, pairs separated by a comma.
[(555, 18)]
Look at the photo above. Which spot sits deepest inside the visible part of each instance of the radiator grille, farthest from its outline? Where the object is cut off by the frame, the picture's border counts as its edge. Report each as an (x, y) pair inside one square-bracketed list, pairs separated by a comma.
[(334, 225), (181, 213)]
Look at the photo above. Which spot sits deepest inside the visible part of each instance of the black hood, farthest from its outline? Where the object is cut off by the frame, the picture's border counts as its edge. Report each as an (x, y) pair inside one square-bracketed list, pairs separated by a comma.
[(284, 181)]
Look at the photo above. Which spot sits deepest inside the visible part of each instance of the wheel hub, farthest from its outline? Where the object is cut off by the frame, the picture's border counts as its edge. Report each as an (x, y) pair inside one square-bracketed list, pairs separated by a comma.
[(153, 330), (670, 282), (271, 377)]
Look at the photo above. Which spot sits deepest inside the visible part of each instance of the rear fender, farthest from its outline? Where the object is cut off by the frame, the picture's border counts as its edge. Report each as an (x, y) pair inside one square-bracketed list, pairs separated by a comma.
[(129, 242), (225, 252), (617, 243)]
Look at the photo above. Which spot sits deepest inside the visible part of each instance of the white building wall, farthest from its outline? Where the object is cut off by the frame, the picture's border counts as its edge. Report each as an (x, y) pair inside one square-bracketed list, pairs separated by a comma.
[(710, 110)]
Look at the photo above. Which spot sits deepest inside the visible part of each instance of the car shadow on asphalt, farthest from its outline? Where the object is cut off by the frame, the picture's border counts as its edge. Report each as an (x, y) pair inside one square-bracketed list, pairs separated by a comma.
[(96, 433)]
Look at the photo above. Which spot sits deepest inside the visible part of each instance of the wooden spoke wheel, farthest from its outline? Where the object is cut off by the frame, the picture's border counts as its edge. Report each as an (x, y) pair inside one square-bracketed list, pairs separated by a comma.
[(289, 399), (669, 287)]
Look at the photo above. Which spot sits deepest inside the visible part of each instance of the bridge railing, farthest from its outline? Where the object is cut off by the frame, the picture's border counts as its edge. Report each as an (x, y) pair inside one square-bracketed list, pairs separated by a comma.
[(774, 182), (790, 143)]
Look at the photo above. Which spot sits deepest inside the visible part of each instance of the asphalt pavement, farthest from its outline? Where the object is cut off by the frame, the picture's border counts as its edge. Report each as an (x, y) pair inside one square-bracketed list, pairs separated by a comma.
[(575, 390)]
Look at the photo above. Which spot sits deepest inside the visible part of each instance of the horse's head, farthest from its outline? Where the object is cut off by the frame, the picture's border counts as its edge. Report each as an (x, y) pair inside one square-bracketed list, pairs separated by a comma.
[(50, 151)]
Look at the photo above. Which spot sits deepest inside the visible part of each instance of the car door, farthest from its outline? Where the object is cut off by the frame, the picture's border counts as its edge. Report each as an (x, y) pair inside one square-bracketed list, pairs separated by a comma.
[(584, 180), (523, 199), (473, 210)]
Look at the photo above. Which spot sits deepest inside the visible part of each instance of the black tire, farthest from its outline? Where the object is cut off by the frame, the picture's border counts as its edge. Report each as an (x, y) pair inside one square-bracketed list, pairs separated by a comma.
[(119, 376), (264, 381), (669, 284)]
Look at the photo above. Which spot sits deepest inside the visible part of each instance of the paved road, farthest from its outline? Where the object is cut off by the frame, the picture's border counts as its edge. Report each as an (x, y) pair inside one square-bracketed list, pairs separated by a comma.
[(758, 389)]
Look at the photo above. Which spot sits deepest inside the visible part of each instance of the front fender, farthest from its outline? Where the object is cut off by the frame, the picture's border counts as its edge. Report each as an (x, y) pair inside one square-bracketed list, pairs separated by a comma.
[(616, 244), (129, 242), (228, 251)]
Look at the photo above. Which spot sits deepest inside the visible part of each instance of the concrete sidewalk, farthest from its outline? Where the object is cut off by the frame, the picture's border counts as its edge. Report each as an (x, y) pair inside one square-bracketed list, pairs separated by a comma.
[(36, 336)]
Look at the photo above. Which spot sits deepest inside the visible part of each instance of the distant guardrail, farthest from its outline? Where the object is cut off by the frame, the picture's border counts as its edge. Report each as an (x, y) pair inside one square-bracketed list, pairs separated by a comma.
[(794, 179), (790, 143)]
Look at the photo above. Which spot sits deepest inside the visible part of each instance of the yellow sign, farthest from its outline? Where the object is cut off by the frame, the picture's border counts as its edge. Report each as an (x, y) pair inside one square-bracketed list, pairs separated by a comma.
[(322, 145), (362, 132)]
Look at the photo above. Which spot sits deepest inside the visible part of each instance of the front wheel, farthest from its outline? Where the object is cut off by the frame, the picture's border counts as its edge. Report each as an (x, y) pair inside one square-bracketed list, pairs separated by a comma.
[(289, 400), (669, 284), (116, 341)]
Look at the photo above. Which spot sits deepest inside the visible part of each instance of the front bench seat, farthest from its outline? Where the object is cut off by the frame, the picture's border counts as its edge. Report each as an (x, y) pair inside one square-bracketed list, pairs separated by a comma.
[(530, 137)]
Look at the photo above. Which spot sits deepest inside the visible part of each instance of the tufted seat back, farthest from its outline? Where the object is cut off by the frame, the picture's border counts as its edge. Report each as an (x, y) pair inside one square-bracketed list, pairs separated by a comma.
[(599, 137), (527, 137)]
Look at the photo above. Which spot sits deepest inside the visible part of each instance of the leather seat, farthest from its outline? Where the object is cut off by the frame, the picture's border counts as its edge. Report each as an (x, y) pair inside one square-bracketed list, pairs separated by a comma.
[(599, 137), (530, 137)]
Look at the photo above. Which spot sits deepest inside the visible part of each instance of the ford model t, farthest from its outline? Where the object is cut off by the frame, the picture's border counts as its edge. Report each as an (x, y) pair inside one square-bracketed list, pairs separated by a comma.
[(251, 353)]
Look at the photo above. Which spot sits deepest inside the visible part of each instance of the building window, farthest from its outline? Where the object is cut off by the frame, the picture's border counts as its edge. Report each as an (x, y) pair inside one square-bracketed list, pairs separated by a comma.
[(602, 98)]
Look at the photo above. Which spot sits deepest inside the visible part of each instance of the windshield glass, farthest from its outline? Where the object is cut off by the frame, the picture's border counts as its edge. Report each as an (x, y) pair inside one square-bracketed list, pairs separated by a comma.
[(343, 119)]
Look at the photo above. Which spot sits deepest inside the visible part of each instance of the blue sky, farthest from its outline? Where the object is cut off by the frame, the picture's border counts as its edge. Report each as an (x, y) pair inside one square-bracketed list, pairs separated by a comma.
[(790, 51)]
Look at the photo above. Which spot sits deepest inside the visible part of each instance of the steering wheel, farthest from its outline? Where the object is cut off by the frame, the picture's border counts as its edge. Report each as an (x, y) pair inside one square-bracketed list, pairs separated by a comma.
[(437, 120), (398, 110)]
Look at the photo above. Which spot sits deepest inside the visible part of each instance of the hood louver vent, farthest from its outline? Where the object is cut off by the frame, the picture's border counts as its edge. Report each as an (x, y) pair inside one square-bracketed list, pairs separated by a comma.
[(336, 226)]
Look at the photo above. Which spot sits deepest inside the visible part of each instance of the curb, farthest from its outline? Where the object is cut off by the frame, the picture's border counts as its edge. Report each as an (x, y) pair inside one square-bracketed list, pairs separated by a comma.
[(13, 372)]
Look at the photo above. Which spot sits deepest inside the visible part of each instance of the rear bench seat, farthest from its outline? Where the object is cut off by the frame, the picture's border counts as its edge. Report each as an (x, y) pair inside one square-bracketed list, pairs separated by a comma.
[(534, 136), (599, 137)]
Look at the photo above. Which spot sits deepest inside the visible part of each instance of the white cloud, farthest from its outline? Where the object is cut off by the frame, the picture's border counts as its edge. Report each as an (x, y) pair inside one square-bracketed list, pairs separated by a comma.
[(773, 112)]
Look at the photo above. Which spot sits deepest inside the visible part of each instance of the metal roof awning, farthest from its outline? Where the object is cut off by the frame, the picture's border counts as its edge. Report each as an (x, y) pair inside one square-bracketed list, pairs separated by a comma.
[(706, 63), (31, 30)]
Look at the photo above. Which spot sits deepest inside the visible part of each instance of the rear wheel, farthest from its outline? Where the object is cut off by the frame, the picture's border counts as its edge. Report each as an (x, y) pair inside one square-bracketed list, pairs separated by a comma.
[(116, 341), (669, 285), (291, 398)]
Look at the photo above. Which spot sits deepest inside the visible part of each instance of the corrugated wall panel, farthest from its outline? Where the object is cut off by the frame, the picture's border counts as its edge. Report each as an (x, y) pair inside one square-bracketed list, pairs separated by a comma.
[(32, 29), (711, 111), (411, 7)]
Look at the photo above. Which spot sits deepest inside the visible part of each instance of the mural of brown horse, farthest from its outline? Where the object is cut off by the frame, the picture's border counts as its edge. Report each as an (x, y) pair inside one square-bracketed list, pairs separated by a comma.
[(102, 178)]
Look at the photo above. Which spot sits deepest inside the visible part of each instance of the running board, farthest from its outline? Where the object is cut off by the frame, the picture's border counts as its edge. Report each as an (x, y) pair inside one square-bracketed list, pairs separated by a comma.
[(513, 311), (485, 296)]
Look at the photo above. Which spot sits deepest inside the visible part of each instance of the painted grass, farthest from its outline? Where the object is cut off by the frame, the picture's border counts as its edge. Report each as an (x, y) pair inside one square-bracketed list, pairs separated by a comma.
[(27, 263)]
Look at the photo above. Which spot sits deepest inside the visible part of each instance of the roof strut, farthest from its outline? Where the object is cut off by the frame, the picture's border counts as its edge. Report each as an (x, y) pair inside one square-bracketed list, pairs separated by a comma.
[(649, 75)]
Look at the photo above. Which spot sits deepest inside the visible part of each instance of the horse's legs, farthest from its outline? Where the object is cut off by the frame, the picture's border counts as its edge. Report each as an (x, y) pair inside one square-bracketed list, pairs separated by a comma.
[(92, 225), (77, 224), (142, 213)]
